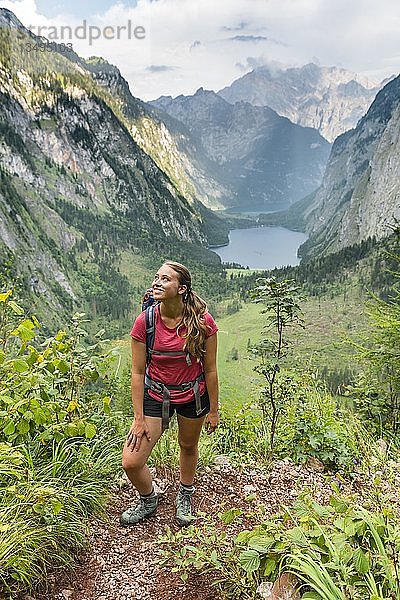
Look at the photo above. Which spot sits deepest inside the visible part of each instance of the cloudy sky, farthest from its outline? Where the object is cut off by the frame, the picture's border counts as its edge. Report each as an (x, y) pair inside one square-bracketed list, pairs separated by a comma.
[(173, 47)]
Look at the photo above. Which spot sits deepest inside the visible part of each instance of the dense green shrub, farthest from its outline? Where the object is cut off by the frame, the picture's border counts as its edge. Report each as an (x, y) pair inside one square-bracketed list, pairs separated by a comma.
[(241, 436), (53, 388), (376, 392), (60, 443), (314, 425)]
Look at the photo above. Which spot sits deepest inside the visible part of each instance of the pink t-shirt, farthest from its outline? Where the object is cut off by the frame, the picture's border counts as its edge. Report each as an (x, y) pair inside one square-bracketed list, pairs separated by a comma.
[(171, 370)]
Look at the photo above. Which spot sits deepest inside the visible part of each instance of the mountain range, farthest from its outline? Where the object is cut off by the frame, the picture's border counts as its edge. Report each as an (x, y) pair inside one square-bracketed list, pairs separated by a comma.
[(329, 99), (266, 161), (96, 185)]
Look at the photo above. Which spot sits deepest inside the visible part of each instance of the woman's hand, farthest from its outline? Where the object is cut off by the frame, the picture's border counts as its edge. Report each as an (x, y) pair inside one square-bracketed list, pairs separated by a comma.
[(138, 429), (211, 421)]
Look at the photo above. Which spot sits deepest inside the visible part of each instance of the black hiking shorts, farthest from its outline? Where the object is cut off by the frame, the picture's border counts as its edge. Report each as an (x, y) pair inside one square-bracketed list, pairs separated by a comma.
[(153, 408)]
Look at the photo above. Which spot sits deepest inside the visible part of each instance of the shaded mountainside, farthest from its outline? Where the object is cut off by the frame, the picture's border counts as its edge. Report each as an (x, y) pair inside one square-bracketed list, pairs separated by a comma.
[(265, 159), (329, 99), (166, 140), (76, 188), (360, 193)]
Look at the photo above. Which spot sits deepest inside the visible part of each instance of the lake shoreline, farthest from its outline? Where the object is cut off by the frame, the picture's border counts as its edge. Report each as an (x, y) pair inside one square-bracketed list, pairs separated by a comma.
[(219, 245), (261, 247)]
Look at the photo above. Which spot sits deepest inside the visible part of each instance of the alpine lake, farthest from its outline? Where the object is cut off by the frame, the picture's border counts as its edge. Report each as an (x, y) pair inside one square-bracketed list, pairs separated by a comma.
[(262, 247)]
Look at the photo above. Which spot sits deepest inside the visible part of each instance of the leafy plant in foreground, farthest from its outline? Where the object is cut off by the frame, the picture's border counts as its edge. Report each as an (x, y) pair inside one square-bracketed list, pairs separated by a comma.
[(60, 444), (315, 425), (52, 388), (340, 551), (282, 310)]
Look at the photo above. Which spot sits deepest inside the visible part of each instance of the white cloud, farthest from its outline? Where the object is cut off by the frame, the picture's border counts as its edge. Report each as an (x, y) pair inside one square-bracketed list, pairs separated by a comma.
[(194, 37)]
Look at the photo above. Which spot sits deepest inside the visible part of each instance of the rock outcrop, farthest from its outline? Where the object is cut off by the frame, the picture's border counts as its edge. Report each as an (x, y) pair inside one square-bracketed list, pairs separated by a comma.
[(360, 193)]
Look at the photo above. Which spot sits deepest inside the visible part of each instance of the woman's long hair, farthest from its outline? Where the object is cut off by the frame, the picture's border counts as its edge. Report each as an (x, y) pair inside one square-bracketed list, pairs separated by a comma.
[(193, 316)]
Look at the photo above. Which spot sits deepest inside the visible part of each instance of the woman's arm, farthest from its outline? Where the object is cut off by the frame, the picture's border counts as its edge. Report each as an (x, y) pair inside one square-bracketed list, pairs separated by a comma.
[(139, 426), (138, 372), (211, 377)]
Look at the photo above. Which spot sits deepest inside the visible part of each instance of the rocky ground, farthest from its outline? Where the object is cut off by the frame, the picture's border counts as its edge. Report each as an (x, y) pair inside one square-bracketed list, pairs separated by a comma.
[(123, 563)]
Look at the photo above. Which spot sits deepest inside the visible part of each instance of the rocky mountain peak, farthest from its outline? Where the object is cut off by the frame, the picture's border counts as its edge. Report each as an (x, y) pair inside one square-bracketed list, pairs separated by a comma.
[(253, 150), (201, 92), (8, 19), (329, 99), (106, 74)]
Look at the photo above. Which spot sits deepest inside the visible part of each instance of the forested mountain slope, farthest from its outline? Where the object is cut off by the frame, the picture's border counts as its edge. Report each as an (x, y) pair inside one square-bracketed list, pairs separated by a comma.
[(76, 188)]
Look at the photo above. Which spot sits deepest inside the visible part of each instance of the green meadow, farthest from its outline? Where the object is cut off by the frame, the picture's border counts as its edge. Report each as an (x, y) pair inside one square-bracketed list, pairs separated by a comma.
[(322, 346)]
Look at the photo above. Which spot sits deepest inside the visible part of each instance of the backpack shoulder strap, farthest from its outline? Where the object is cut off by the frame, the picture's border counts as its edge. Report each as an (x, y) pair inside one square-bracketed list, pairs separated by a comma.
[(150, 318), (150, 329)]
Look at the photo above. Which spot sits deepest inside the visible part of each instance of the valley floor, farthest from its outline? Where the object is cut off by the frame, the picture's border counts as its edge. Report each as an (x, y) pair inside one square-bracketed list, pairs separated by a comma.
[(124, 564)]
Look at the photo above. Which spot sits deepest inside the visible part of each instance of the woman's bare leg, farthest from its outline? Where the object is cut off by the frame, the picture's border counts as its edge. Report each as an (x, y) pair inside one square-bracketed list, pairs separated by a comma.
[(189, 434), (134, 463)]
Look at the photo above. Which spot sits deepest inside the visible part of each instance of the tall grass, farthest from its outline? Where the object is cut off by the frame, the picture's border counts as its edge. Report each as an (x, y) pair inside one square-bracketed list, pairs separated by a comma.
[(316, 576), (47, 495)]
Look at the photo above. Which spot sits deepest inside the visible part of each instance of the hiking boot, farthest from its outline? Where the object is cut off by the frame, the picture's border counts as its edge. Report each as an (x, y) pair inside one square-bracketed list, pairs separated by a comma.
[(184, 514), (146, 507)]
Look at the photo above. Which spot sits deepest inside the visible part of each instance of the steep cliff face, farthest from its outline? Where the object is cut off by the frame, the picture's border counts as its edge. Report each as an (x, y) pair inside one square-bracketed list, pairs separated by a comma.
[(166, 140), (267, 161), (360, 193), (330, 100), (76, 189)]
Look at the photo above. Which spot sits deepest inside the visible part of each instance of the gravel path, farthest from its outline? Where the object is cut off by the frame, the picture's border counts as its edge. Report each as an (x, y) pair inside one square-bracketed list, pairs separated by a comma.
[(122, 563)]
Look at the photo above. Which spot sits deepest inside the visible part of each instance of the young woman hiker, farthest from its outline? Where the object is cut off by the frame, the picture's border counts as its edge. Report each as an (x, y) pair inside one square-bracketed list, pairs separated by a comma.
[(179, 374)]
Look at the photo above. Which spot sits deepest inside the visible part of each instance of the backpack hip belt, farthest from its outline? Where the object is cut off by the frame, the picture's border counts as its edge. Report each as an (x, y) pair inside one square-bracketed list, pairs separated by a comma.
[(162, 388)]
